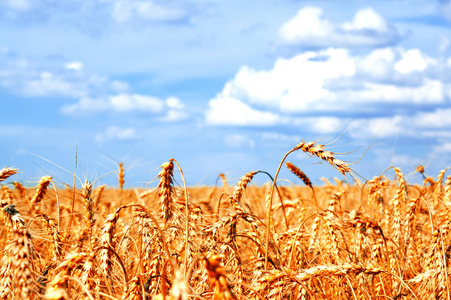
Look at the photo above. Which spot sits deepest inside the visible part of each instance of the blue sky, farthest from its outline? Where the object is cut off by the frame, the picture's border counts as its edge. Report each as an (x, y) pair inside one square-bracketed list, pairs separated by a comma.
[(222, 86)]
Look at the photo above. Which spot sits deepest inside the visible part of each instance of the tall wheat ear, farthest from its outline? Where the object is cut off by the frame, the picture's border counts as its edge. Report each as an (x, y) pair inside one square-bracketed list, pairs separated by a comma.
[(7, 172), (21, 252), (165, 190), (120, 176), (310, 148), (39, 194), (298, 172)]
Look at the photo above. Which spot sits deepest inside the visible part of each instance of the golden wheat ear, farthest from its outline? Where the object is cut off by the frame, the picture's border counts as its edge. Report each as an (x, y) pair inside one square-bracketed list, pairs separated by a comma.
[(319, 151), (166, 190), (7, 172), (296, 171), (121, 175)]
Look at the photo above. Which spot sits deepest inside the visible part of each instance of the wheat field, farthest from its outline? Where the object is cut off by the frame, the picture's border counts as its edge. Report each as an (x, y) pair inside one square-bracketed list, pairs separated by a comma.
[(379, 239)]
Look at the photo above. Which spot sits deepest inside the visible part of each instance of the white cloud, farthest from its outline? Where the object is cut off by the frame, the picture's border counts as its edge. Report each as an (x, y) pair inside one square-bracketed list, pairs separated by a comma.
[(371, 128), (75, 66), (28, 77), (116, 133), (116, 103), (367, 19), (430, 91), (224, 110), (293, 84), (378, 63), (147, 10), (440, 118), (175, 115), (174, 103), (171, 109), (49, 84), (135, 102), (309, 29), (413, 60), (321, 125), (328, 81), (307, 24), (433, 124)]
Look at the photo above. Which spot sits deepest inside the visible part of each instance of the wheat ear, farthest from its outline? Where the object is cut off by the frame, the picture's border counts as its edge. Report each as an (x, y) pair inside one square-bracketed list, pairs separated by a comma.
[(241, 185), (310, 148), (400, 197), (6, 172), (318, 150), (13, 217), (106, 240), (298, 172), (121, 176), (165, 190), (225, 184), (39, 193), (57, 288), (52, 230), (88, 202), (21, 251)]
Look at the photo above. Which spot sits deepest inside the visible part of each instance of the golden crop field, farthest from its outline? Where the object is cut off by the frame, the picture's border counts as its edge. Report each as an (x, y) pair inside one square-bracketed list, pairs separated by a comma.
[(379, 239)]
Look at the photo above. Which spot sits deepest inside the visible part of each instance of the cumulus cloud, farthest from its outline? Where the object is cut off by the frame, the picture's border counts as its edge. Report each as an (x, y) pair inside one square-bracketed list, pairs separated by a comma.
[(49, 84), (171, 109), (439, 118), (29, 78), (320, 124), (430, 124), (308, 29), (370, 128), (74, 65), (117, 133), (224, 110), (176, 110), (174, 103), (329, 81), (116, 103)]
